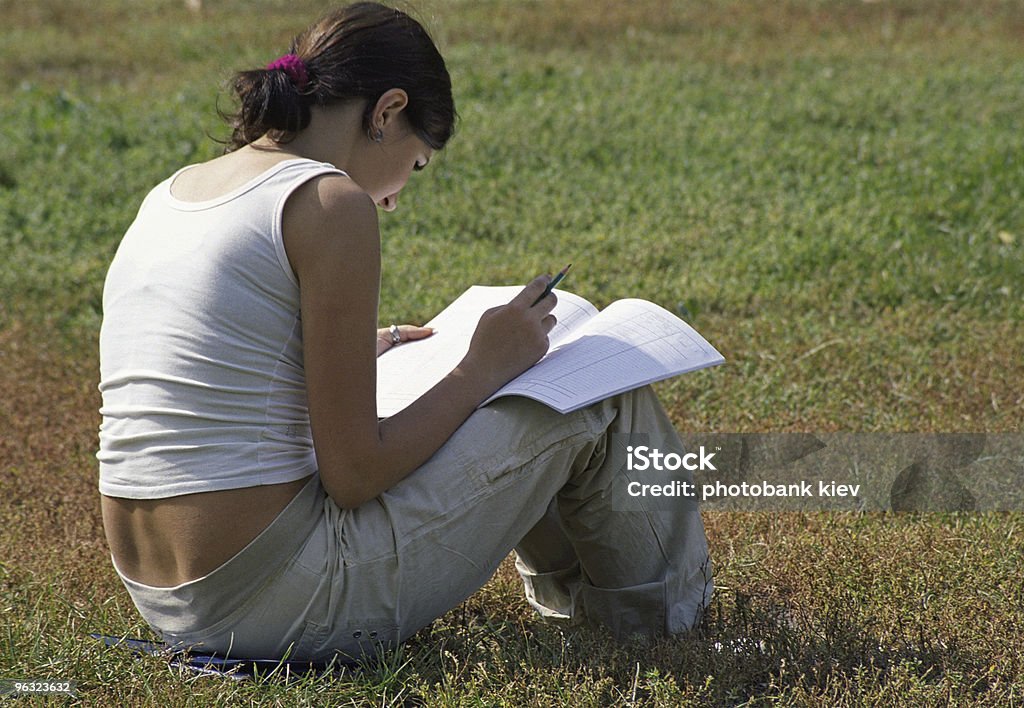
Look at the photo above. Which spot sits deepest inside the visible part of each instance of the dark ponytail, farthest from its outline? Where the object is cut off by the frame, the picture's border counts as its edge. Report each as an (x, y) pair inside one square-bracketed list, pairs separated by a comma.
[(356, 52), (269, 103)]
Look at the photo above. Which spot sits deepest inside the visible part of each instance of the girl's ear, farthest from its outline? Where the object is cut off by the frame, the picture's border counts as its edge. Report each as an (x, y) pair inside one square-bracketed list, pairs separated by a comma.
[(389, 106)]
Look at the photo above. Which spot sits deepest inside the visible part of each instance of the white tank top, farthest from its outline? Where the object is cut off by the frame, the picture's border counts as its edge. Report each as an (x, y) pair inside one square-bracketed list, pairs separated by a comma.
[(201, 345)]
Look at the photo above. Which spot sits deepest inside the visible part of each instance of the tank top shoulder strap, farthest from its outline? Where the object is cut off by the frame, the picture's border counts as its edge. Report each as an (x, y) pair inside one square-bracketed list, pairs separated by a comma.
[(287, 174)]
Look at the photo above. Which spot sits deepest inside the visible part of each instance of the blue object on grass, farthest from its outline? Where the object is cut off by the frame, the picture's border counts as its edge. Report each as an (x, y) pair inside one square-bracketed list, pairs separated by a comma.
[(216, 665)]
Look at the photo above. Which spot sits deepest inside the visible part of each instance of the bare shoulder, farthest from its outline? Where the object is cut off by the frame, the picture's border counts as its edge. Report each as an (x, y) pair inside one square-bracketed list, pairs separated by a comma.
[(328, 213), (330, 195)]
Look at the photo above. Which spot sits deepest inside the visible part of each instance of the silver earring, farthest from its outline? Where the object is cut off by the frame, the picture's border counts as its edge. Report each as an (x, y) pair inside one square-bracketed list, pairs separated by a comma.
[(378, 137)]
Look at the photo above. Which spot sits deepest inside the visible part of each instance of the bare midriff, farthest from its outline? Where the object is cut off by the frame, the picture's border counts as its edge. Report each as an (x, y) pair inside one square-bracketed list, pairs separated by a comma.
[(167, 542)]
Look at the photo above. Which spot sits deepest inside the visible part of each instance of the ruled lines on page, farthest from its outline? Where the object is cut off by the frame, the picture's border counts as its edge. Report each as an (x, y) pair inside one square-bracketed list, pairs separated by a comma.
[(629, 344)]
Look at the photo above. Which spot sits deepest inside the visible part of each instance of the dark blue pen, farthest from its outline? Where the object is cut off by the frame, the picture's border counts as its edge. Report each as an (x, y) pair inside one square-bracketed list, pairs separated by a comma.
[(551, 286)]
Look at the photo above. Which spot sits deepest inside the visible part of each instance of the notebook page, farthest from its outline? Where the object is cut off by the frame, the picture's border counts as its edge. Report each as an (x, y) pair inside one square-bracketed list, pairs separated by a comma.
[(629, 344), (406, 372)]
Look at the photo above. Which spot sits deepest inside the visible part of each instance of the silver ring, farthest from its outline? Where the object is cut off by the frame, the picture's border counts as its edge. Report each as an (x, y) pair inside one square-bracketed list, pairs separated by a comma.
[(395, 337)]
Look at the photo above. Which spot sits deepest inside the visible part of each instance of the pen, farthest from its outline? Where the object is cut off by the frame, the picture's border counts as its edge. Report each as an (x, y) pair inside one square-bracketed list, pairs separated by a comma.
[(551, 286)]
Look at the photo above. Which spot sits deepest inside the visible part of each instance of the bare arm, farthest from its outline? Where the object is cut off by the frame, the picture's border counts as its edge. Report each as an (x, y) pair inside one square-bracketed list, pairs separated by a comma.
[(333, 244)]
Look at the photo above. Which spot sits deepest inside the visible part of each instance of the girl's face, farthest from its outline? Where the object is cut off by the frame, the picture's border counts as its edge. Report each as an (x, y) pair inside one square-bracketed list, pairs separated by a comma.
[(390, 164)]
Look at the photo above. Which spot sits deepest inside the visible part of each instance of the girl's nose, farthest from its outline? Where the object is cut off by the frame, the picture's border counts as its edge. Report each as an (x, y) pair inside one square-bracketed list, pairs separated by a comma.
[(389, 203)]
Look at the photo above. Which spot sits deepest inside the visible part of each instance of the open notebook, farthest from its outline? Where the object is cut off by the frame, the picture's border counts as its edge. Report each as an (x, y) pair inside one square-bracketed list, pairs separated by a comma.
[(593, 355)]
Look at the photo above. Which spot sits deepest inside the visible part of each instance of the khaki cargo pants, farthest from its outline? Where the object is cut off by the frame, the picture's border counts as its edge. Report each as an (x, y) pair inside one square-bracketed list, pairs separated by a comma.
[(517, 475)]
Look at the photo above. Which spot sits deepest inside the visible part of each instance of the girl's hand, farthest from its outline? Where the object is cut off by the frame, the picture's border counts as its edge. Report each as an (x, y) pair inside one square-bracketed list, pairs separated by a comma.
[(511, 338), (407, 332)]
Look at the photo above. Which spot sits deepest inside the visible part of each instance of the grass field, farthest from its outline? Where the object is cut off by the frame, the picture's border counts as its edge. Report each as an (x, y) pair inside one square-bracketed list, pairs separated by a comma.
[(830, 190)]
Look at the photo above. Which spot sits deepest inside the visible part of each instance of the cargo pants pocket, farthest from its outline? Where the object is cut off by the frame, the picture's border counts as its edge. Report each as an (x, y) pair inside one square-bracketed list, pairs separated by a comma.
[(625, 612)]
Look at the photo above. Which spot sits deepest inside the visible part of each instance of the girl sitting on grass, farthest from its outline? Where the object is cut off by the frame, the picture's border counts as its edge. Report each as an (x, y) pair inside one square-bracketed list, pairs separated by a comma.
[(253, 502)]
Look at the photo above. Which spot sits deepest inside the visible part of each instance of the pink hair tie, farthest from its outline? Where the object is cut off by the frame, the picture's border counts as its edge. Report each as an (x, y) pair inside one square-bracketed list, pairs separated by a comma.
[(292, 65)]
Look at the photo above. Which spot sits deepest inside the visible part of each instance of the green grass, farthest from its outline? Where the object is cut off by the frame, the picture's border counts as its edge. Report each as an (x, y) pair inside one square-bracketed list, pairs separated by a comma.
[(831, 190)]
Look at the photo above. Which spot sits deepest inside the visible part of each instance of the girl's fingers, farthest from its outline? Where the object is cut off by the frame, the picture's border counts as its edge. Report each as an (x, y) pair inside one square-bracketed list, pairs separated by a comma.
[(531, 292), (409, 332), (406, 333)]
